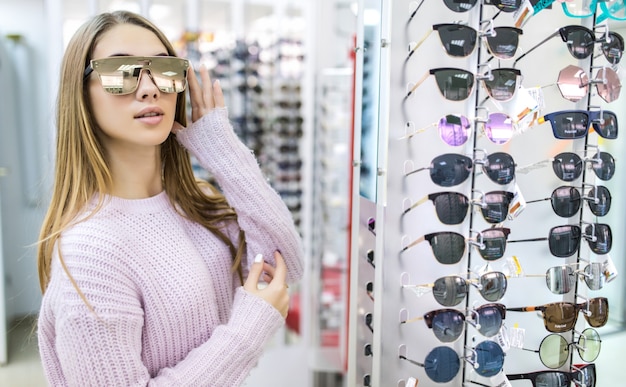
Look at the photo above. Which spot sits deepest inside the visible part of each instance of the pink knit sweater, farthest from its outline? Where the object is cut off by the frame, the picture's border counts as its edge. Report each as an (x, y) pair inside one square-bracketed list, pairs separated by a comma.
[(169, 311)]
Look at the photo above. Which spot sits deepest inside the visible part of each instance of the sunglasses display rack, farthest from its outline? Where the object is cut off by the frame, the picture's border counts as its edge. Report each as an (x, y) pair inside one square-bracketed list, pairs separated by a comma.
[(491, 195)]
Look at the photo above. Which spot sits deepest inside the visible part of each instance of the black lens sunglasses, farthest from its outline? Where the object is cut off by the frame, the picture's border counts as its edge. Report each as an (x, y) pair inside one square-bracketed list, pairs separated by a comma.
[(452, 169), (568, 166), (574, 124), (453, 207), (581, 42), (567, 200), (460, 40), (583, 375), (460, 6)]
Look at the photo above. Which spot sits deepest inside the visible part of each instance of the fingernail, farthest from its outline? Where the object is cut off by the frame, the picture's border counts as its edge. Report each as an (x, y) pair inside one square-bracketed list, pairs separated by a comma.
[(217, 82), (258, 258)]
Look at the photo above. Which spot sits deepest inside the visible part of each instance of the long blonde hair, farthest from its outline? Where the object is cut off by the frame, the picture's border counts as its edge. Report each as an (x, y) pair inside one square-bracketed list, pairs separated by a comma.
[(81, 169)]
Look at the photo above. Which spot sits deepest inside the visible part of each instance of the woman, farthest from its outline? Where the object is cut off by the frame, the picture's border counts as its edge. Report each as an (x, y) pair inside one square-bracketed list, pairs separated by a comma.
[(141, 266)]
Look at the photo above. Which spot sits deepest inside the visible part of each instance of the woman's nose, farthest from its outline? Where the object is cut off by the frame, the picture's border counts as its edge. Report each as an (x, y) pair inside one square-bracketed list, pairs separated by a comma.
[(146, 87)]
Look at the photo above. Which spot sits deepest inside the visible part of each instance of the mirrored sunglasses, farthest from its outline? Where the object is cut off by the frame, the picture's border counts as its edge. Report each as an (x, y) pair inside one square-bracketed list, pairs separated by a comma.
[(442, 364), (449, 324), (582, 376), (559, 317), (460, 40), (448, 247), (554, 350), (581, 43), (573, 83), (120, 75), (466, 5), (452, 207), (451, 290), (573, 124), (457, 84), (452, 169), (562, 279), (566, 200)]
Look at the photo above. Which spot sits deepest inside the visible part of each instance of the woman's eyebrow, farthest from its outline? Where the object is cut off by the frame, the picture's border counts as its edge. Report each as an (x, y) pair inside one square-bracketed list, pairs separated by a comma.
[(125, 54)]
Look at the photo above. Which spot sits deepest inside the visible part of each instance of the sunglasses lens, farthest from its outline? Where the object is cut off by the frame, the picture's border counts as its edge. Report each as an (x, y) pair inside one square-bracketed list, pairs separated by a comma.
[(599, 312), (454, 130), (564, 240), (614, 48), (489, 320), (586, 376), (580, 41), (565, 201), (454, 84), (606, 126), (560, 279), (504, 43), (554, 351), (493, 286), (603, 165), (502, 84), (573, 83), (559, 317), (569, 125), (460, 5), (495, 206), (579, 8), (608, 84), (489, 358), (120, 75), (450, 169), (451, 207), (458, 40), (448, 247), (552, 379), (599, 200), (594, 275), (500, 168), (450, 291), (499, 128), (442, 364), (567, 166), (589, 344), (493, 243), (507, 5), (600, 237), (447, 325)]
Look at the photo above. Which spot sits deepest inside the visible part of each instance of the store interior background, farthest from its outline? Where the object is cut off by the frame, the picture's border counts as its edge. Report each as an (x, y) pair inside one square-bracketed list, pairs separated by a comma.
[(315, 41)]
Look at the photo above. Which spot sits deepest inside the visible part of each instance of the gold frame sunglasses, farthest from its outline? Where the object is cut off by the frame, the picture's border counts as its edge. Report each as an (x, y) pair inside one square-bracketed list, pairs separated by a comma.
[(119, 75)]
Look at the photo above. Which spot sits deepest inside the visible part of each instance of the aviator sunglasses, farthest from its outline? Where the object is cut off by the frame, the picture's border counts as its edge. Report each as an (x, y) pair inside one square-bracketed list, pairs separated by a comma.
[(566, 200), (460, 40), (451, 290), (559, 317), (457, 84), (451, 169), (582, 376), (581, 42), (452, 207), (449, 324), (120, 75), (442, 363)]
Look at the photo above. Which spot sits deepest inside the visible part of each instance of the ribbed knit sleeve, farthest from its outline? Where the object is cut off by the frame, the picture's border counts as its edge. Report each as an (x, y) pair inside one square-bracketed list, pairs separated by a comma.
[(262, 214)]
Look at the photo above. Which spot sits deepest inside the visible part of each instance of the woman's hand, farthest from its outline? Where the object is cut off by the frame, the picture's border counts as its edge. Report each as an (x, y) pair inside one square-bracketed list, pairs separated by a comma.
[(275, 293), (205, 95)]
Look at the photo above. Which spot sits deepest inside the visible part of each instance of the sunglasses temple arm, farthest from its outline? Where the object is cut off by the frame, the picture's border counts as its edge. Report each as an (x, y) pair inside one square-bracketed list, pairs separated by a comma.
[(411, 361), (537, 200), (417, 84), (528, 240), (533, 48), (415, 12), (415, 171), (411, 320), (417, 203), (419, 44), (418, 240), (476, 383)]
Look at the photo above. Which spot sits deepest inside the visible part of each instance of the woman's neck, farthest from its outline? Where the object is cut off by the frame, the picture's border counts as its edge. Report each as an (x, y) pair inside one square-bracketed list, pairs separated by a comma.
[(136, 174)]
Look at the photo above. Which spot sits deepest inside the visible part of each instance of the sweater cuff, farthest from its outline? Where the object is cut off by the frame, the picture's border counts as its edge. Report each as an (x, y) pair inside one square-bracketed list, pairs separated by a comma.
[(255, 315)]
